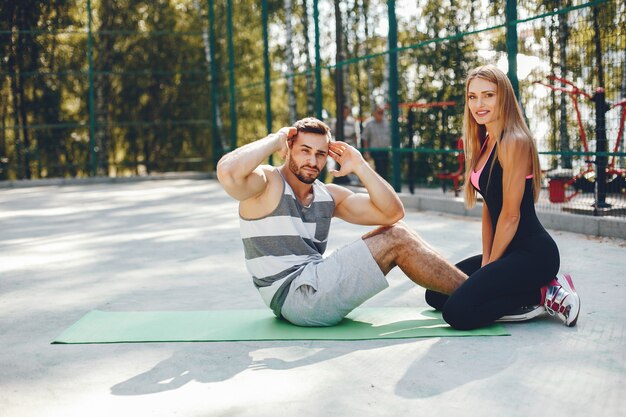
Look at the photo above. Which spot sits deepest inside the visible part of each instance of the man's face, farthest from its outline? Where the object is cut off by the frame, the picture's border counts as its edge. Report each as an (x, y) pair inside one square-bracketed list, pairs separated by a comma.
[(307, 156)]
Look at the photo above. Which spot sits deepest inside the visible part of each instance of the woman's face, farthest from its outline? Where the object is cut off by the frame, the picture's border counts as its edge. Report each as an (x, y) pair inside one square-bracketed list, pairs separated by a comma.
[(482, 99)]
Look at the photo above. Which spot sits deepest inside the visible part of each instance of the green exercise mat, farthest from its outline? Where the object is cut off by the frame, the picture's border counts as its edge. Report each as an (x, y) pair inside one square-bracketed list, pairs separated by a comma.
[(234, 325)]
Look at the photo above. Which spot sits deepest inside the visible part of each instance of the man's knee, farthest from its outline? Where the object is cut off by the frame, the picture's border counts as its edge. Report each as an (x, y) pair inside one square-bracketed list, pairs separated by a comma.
[(397, 236), (402, 234), (386, 243)]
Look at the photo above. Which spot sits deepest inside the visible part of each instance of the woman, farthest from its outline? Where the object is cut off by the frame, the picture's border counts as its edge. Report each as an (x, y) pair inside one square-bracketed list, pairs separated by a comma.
[(520, 260)]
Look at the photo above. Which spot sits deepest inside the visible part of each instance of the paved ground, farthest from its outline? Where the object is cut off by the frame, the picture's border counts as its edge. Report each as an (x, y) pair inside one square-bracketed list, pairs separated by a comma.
[(174, 245)]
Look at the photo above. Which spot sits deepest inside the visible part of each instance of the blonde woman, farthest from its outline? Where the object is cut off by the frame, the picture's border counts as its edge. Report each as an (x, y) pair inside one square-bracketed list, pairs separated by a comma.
[(514, 277)]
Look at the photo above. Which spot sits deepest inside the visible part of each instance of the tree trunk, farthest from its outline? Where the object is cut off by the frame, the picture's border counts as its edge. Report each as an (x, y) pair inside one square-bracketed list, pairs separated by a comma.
[(14, 69), (366, 51), (345, 69), (20, 53), (49, 144), (356, 50), (207, 56), (4, 167)]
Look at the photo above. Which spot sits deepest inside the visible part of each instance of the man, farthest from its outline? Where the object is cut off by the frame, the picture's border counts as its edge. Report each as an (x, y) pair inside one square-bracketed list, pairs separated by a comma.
[(376, 134), (285, 215)]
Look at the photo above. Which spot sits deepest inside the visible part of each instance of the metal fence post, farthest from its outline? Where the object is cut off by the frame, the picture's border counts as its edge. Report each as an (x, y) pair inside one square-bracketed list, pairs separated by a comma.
[(231, 77), (511, 43), (393, 94), (215, 133), (318, 63), (339, 98), (266, 70), (93, 157)]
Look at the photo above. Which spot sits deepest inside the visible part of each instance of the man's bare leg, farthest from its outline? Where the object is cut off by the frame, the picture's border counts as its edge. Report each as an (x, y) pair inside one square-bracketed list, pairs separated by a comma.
[(400, 246)]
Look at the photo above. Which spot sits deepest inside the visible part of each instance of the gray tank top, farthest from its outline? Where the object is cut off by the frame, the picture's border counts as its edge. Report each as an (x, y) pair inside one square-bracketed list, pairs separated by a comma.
[(278, 246)]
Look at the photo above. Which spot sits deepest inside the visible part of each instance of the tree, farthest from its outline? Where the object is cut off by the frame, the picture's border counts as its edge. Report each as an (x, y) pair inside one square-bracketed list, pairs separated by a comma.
[(153, 95), (20, 54), (436, 73)]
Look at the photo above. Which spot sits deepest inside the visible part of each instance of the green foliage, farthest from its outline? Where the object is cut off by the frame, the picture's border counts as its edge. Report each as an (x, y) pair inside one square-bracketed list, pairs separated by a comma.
[(151, 79)]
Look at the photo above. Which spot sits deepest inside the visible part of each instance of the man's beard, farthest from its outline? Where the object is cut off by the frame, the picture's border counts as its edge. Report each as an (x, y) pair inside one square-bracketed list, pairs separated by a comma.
[(296, 171)]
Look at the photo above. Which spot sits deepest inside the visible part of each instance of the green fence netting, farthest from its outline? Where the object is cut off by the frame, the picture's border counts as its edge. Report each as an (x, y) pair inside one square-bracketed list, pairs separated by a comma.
[(95, 88)]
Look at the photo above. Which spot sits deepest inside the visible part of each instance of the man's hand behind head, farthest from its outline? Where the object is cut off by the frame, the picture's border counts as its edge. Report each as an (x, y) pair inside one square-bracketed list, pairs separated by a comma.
[(287, 135)]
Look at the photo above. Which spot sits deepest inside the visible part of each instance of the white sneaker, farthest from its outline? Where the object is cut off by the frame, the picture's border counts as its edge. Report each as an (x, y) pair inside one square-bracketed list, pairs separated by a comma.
[(562, 300), (523, 314)]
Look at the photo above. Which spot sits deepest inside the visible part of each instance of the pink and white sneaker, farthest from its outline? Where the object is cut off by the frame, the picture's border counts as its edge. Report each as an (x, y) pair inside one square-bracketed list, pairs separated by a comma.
[(562, 300)]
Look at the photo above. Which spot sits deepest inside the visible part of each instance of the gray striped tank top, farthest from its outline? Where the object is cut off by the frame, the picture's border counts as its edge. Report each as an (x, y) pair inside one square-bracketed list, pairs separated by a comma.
[(278, 246)]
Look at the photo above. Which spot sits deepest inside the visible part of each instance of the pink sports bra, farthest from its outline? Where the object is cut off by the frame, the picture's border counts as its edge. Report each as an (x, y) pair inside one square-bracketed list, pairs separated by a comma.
[(475, 175)]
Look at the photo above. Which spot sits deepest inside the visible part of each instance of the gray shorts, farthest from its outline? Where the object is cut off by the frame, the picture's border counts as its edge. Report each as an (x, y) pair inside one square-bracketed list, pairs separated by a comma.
[(326, 291)]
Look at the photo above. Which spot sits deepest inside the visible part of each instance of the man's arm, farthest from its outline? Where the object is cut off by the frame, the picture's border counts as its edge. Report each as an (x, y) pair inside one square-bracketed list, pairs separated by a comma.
[(239, 171), (380, 206)]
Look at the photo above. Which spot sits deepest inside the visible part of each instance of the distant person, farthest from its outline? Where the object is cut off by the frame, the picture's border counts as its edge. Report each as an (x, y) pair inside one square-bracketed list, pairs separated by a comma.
[(350, 131), (285, 215), (376, 134), (519, 262)]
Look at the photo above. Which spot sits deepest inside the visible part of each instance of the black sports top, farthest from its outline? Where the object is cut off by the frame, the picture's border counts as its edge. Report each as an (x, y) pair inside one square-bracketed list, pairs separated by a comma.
[(490, 187)]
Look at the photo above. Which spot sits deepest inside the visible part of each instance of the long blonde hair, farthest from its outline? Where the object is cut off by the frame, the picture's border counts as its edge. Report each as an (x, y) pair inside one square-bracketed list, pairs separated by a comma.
[(514, 128)]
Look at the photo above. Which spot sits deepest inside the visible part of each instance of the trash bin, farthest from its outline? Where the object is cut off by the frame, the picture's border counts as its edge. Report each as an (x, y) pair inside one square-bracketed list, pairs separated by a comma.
[(556, 189), (557, 183)]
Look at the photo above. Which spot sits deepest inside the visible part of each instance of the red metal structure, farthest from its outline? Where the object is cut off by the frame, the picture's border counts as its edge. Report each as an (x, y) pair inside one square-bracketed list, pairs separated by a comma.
[(558, 186), (454, 176)]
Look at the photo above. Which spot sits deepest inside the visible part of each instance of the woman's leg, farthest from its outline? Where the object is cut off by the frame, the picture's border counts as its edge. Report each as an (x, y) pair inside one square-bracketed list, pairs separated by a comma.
[(498, 288), (470, 265)]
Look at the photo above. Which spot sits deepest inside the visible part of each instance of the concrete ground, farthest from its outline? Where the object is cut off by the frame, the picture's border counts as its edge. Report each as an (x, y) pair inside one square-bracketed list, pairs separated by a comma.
[(174, 245)]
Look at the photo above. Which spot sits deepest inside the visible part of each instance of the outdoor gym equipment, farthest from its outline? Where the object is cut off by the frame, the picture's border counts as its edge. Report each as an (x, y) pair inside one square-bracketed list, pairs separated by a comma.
[(602, 177), (457, 175)]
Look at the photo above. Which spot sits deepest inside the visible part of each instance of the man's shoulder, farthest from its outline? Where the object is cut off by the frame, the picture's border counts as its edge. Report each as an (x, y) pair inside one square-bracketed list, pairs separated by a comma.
[(274, 178), (268, 168), (264, 203), (337, 192)]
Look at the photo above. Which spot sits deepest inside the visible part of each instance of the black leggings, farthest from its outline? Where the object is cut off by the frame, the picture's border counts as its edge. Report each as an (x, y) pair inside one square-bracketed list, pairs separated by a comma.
[(499, 288)]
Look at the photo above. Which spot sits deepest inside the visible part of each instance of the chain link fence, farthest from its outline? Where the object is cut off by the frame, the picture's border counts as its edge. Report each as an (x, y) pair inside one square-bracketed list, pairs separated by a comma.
[(95, 88)]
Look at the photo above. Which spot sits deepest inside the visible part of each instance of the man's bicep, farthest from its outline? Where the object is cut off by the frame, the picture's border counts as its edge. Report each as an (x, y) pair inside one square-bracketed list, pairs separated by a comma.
[(359, 209), (247, 187)]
